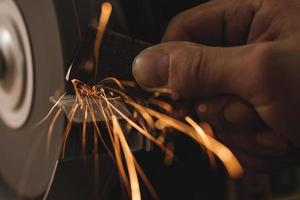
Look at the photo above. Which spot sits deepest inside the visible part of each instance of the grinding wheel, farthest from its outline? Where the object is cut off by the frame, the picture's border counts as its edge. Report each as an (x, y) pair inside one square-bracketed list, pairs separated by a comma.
[(33, 63)]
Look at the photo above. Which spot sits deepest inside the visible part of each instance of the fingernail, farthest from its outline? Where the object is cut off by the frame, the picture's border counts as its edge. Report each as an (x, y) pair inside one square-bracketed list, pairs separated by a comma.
[(151, 69)]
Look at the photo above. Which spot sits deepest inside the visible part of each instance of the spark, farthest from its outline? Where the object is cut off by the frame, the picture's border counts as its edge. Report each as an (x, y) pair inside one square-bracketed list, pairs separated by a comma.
[(163, 105), (134, 182), (50, 130), (83, 142), (68, 128), (106, 9), (208, 130), (50, 111), (203, 135), (231, 163), (110, 103)]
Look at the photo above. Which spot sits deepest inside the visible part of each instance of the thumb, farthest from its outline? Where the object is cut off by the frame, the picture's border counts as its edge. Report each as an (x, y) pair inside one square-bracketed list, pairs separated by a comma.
[(194, 70)]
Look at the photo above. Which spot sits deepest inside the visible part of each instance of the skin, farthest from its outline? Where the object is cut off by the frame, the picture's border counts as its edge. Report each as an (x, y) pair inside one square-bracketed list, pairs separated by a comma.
[(241, 58)]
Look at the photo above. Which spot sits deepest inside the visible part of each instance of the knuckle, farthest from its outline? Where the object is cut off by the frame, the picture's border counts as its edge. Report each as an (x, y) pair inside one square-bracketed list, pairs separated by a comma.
[(197, 70), (265, 54), (269, 66), (177, 28), (177, 23), (198, 67), (184, 69)]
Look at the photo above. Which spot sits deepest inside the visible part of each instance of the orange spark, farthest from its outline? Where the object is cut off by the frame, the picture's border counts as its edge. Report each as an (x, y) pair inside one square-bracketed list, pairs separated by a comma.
[(202, 135), (83, 143), (50, 111), (50, 130), (97, 103), (224, 154), (106, 9), (134, 182), (68, 128)]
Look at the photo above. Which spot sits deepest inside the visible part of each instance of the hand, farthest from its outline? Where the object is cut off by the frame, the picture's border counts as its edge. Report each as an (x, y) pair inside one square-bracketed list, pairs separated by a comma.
[(246, 49)]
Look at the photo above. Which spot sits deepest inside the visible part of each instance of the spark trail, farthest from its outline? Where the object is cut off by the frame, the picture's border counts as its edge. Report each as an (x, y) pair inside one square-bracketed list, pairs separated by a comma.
[(109, 102)]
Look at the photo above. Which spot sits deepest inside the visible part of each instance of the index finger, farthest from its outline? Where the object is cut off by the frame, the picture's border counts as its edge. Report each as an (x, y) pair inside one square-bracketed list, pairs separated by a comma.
[(216, 23)]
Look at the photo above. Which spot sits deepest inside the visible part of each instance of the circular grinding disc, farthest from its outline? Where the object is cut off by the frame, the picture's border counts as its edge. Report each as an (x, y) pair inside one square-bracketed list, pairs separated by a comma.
[(25, 166)]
